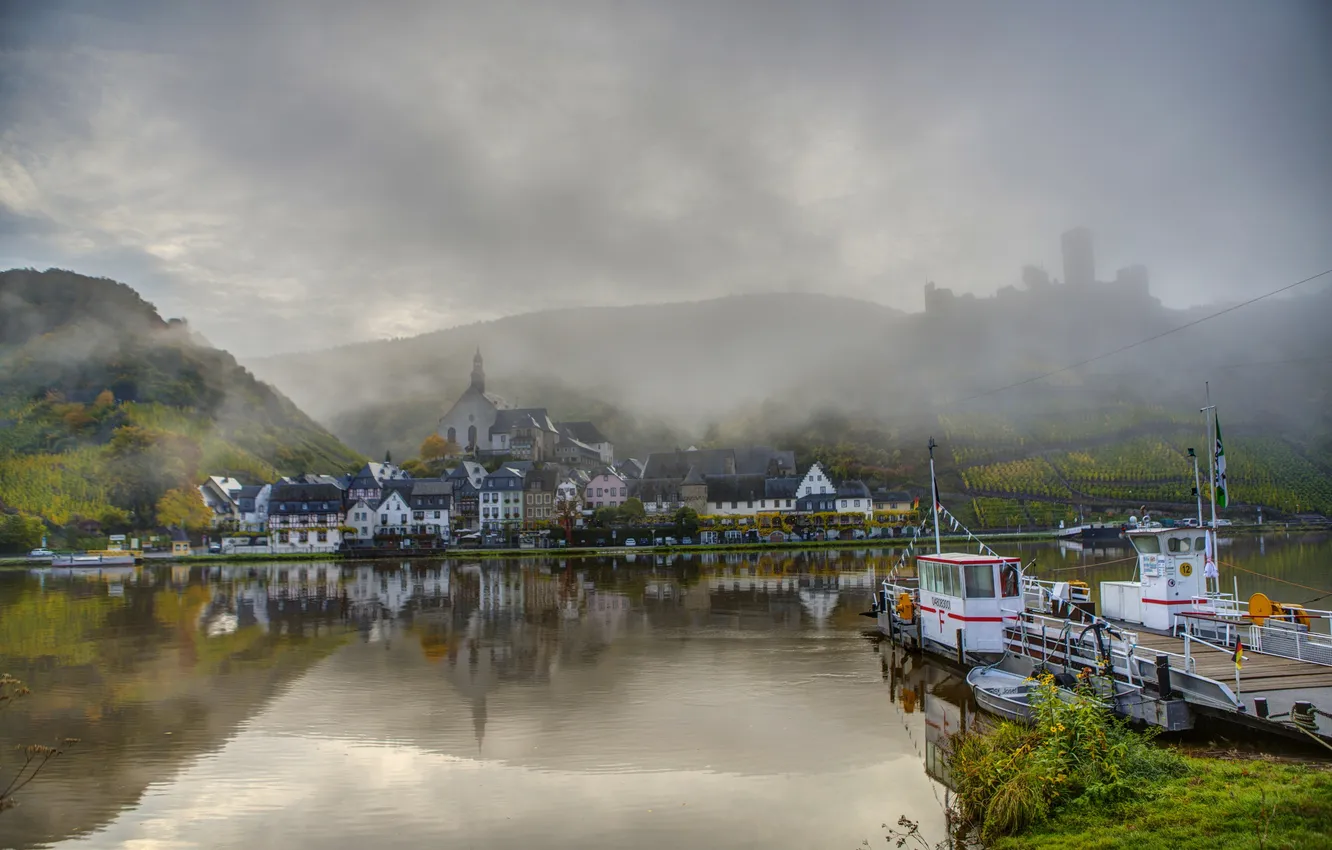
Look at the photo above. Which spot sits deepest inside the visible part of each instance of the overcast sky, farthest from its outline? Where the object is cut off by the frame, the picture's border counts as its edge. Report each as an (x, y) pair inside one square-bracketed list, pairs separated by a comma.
[(297, 174)]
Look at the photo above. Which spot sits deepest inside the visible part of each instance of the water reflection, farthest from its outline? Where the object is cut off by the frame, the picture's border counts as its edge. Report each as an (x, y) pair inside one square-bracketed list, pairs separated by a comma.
[(721, 700)]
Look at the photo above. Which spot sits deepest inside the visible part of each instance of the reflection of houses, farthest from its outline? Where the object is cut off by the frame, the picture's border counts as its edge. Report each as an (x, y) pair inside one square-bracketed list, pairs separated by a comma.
[(378, 593)]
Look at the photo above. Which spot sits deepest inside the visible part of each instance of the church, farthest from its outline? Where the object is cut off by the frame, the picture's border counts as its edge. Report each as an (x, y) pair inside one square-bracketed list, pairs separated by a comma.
[(482, 425)]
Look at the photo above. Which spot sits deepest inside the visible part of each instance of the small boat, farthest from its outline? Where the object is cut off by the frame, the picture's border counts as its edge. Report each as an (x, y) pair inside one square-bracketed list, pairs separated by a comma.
[(1001, 692)]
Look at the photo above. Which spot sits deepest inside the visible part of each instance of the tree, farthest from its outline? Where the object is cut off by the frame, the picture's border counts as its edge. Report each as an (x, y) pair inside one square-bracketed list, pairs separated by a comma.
[(632, 510), (183, 508), (20, 533), (686, 521), (566, 513), (435, 448), (606, 517)]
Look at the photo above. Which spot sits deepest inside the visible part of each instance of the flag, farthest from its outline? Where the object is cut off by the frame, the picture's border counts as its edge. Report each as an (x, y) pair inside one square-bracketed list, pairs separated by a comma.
[(1222, 492), (915, 503), (1239, 652), (934, 489)]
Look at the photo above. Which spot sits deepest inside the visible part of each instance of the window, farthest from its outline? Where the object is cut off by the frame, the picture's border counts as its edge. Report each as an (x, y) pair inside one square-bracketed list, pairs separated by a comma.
[(453, 436), (1146, 545), (1009, 584), (437, 515), (282, 537), (749, 504), (383, 519), (1200, 545), (734, 505), (303, 537), (857, 503), (323, 536), (621, 492), (1178, 544), (980, 581), (788, 503)]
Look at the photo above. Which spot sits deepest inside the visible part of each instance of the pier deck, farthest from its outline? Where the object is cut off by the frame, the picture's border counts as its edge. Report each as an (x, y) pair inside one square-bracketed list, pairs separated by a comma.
[(1259, 673)]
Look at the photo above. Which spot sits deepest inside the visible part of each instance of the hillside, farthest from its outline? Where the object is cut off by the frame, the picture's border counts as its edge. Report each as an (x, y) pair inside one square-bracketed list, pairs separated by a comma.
[(866, 386), (104, 406)]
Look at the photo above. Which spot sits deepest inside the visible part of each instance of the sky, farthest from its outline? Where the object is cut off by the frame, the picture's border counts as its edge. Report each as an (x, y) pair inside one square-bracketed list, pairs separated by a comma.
[(302, 174)]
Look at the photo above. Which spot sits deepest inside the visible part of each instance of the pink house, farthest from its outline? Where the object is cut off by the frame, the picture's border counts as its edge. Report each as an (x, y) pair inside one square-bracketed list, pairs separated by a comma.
[(607, 490)]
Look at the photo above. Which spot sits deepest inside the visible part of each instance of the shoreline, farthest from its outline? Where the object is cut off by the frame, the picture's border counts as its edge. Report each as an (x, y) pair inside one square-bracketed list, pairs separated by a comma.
[(610, 551)]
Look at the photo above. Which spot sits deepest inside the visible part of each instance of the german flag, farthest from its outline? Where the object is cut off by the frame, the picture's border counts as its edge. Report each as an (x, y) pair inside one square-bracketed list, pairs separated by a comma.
[(1239, 653)]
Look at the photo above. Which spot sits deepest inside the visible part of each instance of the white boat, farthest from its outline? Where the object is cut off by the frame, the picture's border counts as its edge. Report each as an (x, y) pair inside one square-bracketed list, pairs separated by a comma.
[(88, 559)]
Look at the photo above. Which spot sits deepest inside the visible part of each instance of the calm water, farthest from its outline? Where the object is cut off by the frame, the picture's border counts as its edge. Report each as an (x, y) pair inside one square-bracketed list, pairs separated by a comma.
[(715, 701)]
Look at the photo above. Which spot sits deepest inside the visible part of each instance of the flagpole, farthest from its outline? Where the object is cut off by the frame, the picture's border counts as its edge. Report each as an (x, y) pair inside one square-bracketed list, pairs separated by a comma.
[(1210, 410), (934, 488)]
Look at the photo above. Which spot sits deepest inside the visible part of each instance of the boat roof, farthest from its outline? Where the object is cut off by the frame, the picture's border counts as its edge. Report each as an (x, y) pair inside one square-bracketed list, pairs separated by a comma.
[(969, 558)]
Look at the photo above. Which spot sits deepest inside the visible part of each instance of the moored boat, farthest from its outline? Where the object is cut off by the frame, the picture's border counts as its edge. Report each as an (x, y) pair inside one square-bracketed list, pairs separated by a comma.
[(1000, 692), (93, 559)]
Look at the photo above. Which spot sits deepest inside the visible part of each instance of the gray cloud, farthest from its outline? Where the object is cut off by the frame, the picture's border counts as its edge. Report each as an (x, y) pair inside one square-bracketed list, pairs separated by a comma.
[(300, 174)]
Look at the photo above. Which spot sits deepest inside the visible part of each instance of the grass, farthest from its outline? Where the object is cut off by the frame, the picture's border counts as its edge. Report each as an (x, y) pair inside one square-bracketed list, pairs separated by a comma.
[(1219, 803)]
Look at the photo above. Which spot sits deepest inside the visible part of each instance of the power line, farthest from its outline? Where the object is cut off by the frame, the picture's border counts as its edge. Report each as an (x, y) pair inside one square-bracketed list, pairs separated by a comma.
[(1130, 345)]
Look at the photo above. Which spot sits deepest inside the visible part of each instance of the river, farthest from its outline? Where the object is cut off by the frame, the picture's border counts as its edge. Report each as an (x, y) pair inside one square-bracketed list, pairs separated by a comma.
[(713, 700)]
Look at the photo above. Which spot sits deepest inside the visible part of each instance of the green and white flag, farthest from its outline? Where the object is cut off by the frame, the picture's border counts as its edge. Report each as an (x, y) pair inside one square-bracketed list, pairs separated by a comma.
[(1222, 490)]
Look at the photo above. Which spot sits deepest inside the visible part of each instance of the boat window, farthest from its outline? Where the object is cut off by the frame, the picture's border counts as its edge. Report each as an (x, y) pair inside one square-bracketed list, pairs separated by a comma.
[(1200, 545), (1009, 585), (931, 577), (1178, 544), (1147, 545), (923, 568), (980, 581), (950, 581)]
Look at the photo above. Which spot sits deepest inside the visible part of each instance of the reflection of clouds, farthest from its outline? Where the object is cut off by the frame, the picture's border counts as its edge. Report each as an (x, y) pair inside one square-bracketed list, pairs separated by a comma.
[(284, 791)]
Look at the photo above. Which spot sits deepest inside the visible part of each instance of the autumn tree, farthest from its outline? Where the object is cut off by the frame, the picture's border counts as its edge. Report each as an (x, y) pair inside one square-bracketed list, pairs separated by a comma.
[(632, 510), (183, 508), (20, 533)]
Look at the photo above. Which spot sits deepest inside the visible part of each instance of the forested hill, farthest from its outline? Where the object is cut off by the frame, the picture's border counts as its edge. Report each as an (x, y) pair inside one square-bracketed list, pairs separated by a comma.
[(105, 406)]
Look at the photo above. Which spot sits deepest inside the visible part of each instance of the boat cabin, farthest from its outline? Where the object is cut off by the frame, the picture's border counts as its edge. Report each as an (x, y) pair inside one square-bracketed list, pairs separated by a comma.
[(968, 597), (1171, 569)]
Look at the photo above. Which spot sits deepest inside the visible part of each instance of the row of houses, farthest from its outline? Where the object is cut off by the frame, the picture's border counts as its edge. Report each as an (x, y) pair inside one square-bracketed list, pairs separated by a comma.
[(382, 505)]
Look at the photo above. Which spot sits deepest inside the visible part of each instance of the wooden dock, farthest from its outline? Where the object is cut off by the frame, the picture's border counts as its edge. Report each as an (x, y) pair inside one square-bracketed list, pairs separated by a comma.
[(1258, 674)]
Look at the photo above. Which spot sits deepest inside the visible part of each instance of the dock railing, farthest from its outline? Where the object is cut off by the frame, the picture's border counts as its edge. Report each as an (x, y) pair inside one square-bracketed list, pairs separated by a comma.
[(1302, 634), (1074, 646)]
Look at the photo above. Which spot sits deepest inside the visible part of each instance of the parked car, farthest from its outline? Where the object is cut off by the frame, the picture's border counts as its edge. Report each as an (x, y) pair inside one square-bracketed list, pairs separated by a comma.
[(687, 541), (631, 542), (670, 541), (215, 548), (41, 553)]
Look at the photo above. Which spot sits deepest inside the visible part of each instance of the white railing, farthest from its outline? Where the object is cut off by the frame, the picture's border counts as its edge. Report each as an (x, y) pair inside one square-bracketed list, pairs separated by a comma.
[(1302, 636), (1076, 643)]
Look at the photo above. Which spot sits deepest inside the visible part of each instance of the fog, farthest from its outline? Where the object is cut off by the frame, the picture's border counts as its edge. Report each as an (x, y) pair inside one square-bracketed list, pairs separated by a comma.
[(300, 175)]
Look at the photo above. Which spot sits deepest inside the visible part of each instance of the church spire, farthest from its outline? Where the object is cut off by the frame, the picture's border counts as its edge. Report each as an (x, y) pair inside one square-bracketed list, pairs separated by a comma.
[(478, 373)]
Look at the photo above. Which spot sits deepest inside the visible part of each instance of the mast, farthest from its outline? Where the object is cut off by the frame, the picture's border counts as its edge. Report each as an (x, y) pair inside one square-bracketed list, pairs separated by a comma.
[(934, 498), (1210, 437), (1197, 486)]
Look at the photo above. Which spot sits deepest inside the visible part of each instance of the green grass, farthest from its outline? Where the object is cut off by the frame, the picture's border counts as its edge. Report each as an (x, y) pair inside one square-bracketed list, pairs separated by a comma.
[(1219, 804)]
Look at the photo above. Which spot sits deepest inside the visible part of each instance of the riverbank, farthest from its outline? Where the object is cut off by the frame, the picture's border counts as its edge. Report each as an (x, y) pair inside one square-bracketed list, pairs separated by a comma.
[(1231, 803)]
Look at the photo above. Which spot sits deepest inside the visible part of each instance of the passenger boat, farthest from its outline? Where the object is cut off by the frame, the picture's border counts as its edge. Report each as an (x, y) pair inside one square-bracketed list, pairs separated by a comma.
[(93, 559), (1167, 647)]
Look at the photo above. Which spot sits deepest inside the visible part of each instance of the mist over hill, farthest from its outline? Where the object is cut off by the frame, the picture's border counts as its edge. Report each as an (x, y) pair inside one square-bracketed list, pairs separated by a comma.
[(777, 360), (105, 405)]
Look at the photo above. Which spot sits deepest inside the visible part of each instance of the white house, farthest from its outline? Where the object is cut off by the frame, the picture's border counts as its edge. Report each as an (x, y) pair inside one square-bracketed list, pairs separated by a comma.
[(816, 482), (305, 518), (252, 507), (567, 491), (853, 497), (219, 495), (605, 490)]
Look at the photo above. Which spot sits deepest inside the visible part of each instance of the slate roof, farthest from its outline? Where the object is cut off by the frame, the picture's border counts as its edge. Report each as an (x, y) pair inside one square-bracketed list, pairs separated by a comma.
[(316, 495), (817, 503), (522, 417), (735, 488), (583, 432), (852, 489), (892, 496), (250, 491), (541, 480), (746, 460), (431, 487), (655, 489), (755, 460), (780, 488), (693, 477), (631, 468), (496, 480)]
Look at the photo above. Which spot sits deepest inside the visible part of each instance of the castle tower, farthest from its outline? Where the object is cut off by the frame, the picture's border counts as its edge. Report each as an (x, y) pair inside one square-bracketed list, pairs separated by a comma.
[(478, 373)]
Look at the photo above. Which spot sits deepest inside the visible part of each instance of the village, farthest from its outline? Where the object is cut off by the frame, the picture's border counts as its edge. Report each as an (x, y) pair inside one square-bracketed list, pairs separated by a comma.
[(511, 477)]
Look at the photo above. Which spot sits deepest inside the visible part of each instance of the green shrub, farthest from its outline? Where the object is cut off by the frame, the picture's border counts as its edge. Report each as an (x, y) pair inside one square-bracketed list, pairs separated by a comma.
[(1012, 777)]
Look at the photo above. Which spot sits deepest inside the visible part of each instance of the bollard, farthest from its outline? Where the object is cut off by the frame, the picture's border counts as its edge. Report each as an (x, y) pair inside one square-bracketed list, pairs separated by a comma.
[(1302, 715), (1260, 707), (1163, 676), (961, 653)]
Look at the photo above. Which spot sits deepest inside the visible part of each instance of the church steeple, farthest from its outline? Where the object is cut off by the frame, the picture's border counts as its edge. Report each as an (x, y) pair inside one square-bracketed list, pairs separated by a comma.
[(478, 373)]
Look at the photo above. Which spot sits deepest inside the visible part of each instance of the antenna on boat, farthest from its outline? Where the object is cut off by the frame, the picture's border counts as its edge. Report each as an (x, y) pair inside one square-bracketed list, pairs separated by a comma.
[(934, 497)]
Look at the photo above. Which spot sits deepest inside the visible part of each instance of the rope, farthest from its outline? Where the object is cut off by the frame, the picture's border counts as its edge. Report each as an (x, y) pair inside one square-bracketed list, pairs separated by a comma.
[(1275, 578), (1315, 737), (1097, 564)]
